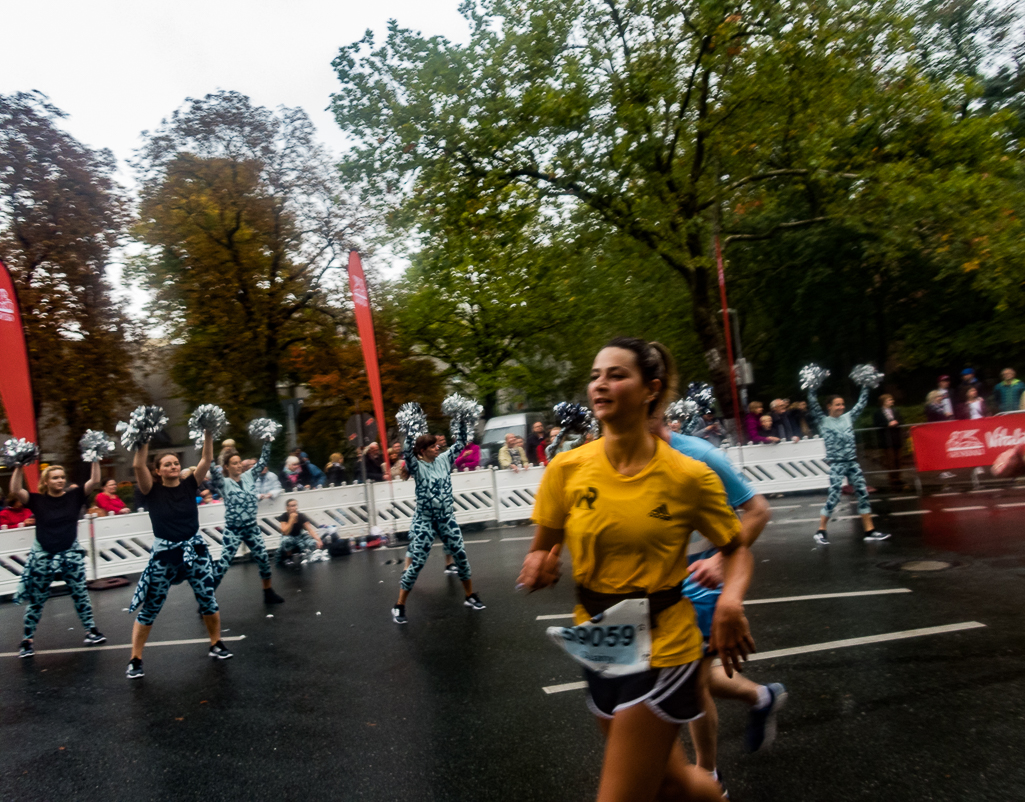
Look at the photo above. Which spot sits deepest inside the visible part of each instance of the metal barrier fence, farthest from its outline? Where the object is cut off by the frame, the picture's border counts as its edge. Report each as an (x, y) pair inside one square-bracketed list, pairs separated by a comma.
[(121, 544)]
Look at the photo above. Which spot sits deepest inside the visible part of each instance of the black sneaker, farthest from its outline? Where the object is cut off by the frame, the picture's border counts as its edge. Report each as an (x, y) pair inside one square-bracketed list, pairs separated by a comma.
[(820, 538), (134, 670), (451, 569), (94, 636), (220, 651), (761, 722), (26, 649), (398, 614), (270, 597), (875, 534), (473, 601)]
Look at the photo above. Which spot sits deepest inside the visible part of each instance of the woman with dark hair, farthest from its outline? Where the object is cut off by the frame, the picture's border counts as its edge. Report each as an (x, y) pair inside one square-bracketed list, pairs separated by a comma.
[(179, 552), (109, 501), (238, 489), (625, 506), (55, 553), (15, 514), (434, 516)]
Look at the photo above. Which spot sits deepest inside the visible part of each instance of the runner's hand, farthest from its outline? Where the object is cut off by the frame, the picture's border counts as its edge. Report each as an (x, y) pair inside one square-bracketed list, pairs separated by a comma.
[(731, 636), (708, 573), (541, 568)]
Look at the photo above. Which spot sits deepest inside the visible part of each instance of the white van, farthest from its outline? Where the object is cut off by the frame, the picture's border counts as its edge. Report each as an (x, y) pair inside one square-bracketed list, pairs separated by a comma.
[(495, 430)]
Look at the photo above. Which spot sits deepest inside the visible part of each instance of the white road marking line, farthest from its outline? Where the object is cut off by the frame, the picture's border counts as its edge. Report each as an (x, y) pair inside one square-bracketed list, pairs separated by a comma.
[(1013, 504), (777, 599), (486, 540), (851, 517), (789, 507), (439, 544), (903, 498), (820, 647), (986, 490), (911, 512), (795, 521), (108, 647), (963, 509), (512, 539), (944, 495)]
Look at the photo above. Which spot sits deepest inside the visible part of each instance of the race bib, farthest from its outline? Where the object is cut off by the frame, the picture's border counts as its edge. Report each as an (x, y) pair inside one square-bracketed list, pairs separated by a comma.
[(612, 644)]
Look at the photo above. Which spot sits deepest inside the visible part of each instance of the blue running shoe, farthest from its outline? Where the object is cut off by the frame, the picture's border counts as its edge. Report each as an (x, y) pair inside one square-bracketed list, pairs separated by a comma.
[(761, 722)]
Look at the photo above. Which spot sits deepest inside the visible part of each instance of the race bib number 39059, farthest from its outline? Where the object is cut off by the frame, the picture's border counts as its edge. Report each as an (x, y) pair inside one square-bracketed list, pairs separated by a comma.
[(612, 644)]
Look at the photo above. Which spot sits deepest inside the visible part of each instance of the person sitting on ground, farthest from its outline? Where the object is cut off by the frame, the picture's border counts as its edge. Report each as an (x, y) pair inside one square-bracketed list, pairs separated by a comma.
[(511, 455), (109, 501), (295, 476), (1009, 394), (373, 463), (974, 406), (782, 423), (469, 459), (534, 439), (298, 534), (16, 514), (766, 431), (334, 471), (268, 485)]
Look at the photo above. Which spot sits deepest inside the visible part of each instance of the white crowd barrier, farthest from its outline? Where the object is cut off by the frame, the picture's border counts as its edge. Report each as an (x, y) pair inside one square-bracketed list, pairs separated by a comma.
[(120, 544)]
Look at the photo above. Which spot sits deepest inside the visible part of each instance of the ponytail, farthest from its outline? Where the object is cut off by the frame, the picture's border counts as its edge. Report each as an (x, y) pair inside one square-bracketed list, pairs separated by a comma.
[(654, 362)]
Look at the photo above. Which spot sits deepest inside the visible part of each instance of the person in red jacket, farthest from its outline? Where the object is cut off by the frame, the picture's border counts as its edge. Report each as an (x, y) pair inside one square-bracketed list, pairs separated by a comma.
[(108, 499), (17, 514)]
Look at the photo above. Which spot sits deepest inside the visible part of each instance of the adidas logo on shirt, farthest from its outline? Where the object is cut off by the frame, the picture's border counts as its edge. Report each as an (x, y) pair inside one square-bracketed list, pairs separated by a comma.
[(661, 512)]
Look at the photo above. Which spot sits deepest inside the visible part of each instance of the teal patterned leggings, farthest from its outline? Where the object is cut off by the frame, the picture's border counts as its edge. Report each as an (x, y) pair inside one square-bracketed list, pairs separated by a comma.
[(233, 537), (37, 590)]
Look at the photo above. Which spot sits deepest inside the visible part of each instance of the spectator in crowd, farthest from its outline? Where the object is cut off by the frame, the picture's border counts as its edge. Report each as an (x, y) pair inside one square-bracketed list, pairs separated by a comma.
[(675, 426), (398, 464), (534, 439), (799, 420), (226, 446), (944, 399), (295, 476), (711, 429), (781, 422), (973, 407), (766, 432), (1009, 394), (890, 437), (968, 380), (373, 463), (109, 501), (470, 458), (512, 455), (935, 408), (317, 477), (541, 450), (752, 421), (16, 514), (268, 485), (293, 537), (334, 471)]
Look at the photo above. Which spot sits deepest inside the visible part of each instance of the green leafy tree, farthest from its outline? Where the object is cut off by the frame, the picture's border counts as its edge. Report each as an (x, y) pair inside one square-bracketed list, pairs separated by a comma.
[(61, 215)]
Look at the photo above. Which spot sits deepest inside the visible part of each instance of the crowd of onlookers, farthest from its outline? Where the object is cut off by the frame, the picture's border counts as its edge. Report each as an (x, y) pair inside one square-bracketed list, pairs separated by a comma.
[(968, 400)]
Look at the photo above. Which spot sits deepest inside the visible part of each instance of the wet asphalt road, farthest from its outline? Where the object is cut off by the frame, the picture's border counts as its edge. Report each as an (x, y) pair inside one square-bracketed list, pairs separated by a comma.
[(345, 705)]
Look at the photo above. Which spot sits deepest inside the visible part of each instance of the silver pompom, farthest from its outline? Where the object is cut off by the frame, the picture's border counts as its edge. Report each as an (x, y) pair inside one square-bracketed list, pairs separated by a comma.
[(19, 452), (96, 446), (573, 419), (866, 376), (686, 410), (812, 377), (411, 420), (141, 426), (464, 412), (264, 430), (703, 395), (207, 418)]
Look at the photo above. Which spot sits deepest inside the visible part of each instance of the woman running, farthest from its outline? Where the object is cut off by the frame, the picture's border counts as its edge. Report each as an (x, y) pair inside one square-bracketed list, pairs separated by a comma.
[(179, 552), (434, 516), (55, 553), (238, 490), (625, 506)]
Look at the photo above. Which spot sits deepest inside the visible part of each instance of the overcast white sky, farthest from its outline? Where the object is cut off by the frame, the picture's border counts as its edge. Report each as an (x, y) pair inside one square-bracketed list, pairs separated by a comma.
[(118, 68)]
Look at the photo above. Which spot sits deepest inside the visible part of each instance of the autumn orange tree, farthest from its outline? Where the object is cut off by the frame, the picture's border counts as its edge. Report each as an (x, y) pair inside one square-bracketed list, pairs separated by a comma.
[(61, 215)]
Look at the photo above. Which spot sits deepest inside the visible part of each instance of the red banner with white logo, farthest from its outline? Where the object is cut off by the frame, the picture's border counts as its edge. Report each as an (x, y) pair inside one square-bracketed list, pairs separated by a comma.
[(948, 445), (365, 326), (15, 379)]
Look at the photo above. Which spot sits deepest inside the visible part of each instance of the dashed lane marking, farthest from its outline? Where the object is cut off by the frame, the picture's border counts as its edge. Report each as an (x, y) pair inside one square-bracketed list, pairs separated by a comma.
[(107, 648), (514, 539), (963, 509), (788, 507), (778, 599), (903, 498), (911, 512), (944, 495), (986, 490), (820, 647), (1013, 504), (795, 521)]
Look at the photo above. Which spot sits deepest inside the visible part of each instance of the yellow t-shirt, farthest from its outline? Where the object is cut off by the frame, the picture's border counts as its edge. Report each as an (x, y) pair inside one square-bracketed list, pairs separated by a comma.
[(630, 533)]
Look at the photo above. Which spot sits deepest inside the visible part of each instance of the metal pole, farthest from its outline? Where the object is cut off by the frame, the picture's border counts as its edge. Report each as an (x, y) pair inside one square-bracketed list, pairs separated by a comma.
[(729, 341)]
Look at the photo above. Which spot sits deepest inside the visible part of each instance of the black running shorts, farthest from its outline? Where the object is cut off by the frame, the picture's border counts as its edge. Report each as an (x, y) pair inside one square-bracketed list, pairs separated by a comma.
[(670, 693)]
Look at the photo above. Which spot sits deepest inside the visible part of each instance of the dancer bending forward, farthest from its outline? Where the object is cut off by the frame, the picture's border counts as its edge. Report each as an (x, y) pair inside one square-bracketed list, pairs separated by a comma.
[(56, 553), (434, 516), (238, 489), (179, 552)]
